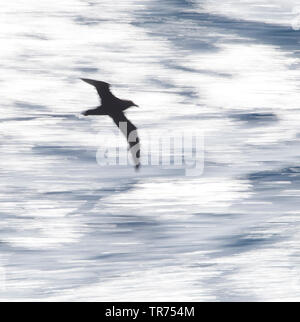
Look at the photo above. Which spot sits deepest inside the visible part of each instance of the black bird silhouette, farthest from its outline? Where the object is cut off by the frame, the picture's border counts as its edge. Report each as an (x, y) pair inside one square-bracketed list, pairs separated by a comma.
[(114, 107)]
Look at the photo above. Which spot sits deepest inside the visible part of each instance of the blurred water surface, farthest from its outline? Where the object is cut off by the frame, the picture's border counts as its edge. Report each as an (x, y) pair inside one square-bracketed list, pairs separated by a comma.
[(72, 230)]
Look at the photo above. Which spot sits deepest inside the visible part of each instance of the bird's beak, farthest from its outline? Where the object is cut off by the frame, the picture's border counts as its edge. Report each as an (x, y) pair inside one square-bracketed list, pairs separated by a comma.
[(135, 105)]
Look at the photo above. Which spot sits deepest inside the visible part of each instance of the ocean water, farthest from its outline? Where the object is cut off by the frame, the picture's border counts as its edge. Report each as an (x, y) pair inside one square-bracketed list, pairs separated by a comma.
[(77, 231)]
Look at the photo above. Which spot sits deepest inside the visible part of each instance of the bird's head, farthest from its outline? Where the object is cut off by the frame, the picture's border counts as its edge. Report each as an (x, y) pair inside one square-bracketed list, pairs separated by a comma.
[(130, 103)]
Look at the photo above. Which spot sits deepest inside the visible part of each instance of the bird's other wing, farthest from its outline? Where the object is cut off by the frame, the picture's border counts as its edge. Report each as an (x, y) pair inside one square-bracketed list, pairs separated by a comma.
[(130, 132), (102, 89)]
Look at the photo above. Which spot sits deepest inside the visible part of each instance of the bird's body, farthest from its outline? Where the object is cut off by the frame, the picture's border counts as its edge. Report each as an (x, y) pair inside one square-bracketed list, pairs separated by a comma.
[(109, 102), (114, 107)]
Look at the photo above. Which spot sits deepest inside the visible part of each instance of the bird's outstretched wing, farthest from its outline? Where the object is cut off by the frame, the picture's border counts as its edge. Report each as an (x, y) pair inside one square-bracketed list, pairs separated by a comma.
[(102, 89), (130, 132)]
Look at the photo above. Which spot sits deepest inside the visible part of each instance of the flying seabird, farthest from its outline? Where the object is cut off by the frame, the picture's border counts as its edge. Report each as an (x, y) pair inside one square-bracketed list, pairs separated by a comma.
[(114, 107)]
